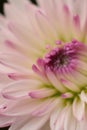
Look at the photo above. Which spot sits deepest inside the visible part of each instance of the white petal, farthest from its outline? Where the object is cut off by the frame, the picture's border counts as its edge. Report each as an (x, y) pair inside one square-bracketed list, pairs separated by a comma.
[(34, 123), (28, 106), (82, 125), (54, 10), (78, 109), (3, 103), (46, 107), (72, 124), (70, 85), (3, 21), (83, 96), (58, 117), (54, 117), (6, 120), (4, 79), (14, 59), (44, 24), (11, 15), (18, 108), (24, 35), (42, 93), (55, 81), (17, 3), (60, 120), (19, 89), (70, 121)]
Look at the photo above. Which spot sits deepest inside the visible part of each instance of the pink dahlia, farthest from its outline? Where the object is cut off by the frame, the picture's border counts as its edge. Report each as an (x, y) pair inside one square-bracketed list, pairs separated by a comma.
[(43, 65)]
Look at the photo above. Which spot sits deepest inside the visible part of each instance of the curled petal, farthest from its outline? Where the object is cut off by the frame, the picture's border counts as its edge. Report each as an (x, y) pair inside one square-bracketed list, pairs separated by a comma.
[(42, 93), (53, 79), (83, 96), (59, 117), (19, 89), (46, 107), (27, 123), (78, 109), (6, 120), (70, 85), (70, 122)]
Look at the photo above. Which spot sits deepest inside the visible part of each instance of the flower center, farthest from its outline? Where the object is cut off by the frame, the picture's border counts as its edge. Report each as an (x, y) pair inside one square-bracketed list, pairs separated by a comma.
[(58, 59), (64, 69), (62, 57)]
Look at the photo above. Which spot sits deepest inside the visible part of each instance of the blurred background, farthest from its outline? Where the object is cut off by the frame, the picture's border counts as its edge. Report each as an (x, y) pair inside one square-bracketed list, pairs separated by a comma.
[(1, 11)]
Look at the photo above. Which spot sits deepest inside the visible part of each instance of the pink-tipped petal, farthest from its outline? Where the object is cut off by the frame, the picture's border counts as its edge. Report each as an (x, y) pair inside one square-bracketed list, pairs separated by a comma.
[(19, 89), (53, 79), (6, 120), (46, 107), (42, 93), (70, 85), (76, 21), (83, 96)]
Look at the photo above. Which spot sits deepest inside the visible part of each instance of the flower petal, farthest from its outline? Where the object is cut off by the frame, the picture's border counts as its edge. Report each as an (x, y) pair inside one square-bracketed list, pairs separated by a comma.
[(83, 96), (70, 121), (46, 107), (53, 79), (54, 117), (70, 85), (42, 93), (82, 125), (45, 25), (20, 89), (35, 123), (6, 120), (34, 107), (58, 117), (78, 109)]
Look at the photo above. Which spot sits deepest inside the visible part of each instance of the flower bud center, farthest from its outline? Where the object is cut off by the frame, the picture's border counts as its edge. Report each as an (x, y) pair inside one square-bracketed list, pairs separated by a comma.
[(64, 56)]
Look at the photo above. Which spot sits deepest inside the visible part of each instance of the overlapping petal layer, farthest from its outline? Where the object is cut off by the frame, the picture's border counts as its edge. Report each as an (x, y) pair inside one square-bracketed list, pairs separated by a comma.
[(43, 65)]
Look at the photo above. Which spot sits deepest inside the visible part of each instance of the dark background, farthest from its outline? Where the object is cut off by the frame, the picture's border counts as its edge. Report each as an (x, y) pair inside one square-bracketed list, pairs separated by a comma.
[(3, 1), (1, 11)]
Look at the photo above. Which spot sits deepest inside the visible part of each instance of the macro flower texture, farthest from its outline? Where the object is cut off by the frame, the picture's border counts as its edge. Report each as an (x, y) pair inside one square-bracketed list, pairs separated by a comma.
[(43, 65)]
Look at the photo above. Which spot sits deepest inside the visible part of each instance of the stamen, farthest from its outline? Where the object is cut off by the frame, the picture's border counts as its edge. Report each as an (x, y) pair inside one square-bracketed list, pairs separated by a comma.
[(61, 58)]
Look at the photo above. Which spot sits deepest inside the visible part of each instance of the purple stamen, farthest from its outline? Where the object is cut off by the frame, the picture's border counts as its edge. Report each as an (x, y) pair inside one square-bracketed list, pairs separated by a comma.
[(61, 58)]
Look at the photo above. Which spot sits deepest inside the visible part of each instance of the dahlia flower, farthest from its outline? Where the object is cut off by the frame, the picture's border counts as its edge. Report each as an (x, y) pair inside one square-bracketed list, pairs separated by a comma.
[(43, 65)]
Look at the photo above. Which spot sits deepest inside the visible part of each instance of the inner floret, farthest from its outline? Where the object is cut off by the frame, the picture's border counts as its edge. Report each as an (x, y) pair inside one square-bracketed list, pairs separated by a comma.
[(63, 56), (64, 68)]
